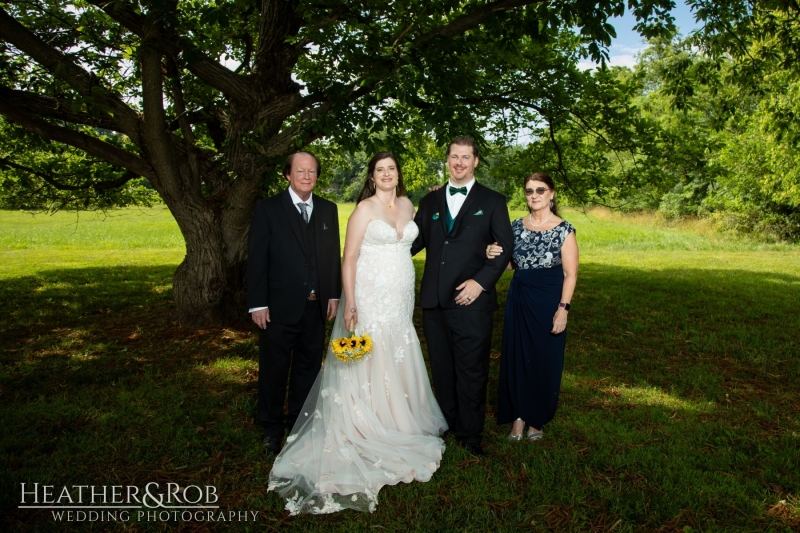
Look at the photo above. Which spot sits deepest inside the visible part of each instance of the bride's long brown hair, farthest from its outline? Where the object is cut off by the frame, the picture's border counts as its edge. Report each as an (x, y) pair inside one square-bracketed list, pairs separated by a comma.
[(369, 186)]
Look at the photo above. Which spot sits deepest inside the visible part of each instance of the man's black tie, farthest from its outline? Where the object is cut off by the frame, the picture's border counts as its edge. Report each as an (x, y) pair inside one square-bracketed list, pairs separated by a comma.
[(303, 206), (454, 190)]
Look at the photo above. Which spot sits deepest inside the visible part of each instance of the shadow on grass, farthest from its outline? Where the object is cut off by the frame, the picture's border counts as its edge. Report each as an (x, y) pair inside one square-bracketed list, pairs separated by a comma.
[(678, 409)]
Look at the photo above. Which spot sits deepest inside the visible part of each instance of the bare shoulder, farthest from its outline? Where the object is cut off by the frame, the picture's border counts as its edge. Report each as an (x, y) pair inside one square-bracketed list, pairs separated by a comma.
[(405, 204), (365, 210)]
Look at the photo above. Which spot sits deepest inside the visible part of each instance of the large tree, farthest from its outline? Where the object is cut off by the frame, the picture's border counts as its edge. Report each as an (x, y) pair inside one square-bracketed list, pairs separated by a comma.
[(205, 98)]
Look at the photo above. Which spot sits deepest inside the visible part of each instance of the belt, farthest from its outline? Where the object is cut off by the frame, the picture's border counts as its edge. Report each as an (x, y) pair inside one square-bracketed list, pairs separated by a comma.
[(312, 297)]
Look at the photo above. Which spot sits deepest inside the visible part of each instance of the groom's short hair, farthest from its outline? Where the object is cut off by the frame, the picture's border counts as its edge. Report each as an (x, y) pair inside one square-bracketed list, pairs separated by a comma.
[(287, 167), (465, 140)]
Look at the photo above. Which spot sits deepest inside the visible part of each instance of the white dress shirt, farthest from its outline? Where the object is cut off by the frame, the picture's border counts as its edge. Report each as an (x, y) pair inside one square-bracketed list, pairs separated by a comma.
[(296, 200), (455, 201), (309, 209)]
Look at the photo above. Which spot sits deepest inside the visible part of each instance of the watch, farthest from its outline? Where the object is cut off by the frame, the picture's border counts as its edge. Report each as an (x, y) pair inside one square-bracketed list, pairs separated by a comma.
[(565, 306)]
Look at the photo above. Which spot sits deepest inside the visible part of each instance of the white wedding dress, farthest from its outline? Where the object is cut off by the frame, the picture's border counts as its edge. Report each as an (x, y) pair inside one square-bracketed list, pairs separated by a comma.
[(373, 422)]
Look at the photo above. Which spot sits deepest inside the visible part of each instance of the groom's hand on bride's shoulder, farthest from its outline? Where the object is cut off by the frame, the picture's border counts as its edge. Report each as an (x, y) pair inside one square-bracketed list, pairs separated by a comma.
[(260, 317)]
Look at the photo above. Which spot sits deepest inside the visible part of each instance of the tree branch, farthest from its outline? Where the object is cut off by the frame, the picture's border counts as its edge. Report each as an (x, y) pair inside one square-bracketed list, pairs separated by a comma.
[(180, 107), (562, 169), (96, 185), (333, 17), (78, 139), (209, 71), (160, 142), (284, 141), (54, 108), (248, 53), (64, 68), (471, 20), (278, 19)]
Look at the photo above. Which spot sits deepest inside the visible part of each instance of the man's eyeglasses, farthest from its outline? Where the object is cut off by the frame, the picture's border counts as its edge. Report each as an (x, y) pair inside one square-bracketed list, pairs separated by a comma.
[(538, 190)]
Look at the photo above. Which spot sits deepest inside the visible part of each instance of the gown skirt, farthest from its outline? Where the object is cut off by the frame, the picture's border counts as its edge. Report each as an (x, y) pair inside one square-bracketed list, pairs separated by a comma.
[(532, 358)]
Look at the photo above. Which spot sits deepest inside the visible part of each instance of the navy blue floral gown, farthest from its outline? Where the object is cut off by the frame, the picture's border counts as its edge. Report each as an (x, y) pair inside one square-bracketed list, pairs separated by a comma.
[(533, 358)]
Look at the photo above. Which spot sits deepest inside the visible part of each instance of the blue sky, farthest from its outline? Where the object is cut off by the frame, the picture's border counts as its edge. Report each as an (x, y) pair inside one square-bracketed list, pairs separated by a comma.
[(628, 42)]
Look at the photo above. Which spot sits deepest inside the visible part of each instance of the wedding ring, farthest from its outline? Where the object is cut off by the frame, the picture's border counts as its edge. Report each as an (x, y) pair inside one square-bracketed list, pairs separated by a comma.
[(469, 299)]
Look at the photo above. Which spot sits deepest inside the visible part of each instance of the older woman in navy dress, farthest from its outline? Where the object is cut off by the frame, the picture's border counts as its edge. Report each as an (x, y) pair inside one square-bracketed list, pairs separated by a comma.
[(545, 260)]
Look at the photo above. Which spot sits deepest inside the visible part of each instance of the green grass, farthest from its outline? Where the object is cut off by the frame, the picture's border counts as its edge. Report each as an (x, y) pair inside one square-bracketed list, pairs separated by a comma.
[(678, 412)]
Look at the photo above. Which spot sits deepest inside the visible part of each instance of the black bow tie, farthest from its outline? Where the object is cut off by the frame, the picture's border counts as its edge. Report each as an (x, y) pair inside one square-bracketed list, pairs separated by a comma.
[(454, 190)]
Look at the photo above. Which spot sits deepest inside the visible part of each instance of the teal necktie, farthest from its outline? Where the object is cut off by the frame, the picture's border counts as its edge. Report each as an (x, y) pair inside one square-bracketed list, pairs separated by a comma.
[(454, 190)]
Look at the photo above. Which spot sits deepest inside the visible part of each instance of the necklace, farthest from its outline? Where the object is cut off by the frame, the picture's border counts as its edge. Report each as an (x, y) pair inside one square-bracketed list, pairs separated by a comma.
[(530, 218), (387, 205)]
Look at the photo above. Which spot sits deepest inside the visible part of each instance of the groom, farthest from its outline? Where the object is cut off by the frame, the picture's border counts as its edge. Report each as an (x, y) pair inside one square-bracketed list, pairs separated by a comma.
[(293, 281), (457, 296)]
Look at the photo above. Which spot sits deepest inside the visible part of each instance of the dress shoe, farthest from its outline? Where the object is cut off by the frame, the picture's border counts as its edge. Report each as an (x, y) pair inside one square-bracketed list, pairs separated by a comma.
[(272, 444), (474, 449), (535, 435), (517, 436)]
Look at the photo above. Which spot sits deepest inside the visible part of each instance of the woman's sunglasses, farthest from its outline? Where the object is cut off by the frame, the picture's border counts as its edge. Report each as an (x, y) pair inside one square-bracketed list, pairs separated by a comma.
[(538, 190)]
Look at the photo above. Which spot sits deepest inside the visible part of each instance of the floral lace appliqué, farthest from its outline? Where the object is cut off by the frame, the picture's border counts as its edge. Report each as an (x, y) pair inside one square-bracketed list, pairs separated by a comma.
[(538, 249)]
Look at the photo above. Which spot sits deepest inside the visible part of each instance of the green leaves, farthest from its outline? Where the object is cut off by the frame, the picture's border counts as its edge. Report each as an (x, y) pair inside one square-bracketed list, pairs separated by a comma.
[(37, 174)]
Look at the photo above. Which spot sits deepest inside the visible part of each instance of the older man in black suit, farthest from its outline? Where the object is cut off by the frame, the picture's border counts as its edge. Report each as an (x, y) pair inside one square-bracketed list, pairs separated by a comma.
[(457, 296), (293, 282)]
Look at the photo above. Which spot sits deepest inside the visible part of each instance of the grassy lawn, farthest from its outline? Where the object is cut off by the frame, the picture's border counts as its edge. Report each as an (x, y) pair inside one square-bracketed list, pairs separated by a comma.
[(679, 405)]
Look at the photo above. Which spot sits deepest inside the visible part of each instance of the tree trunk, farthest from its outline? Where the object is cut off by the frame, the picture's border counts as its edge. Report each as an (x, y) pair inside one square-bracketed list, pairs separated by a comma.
[(209, 285), (206, 288)]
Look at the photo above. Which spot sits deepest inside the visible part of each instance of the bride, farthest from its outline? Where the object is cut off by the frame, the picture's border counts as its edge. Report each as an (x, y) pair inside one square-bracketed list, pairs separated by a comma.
[(373, 422)]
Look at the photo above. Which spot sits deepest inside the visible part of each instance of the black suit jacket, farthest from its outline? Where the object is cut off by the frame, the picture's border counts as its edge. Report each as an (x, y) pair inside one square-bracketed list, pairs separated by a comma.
[(277, 265), (461, 255)]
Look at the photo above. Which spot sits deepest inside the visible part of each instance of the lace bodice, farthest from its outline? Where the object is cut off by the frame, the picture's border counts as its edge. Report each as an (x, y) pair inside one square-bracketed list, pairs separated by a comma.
[(384, 269), (381, 233), (538, 249)]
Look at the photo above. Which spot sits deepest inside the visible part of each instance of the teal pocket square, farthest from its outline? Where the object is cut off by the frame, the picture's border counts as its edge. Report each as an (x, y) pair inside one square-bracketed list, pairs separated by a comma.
[(435, 216), (479, 212)]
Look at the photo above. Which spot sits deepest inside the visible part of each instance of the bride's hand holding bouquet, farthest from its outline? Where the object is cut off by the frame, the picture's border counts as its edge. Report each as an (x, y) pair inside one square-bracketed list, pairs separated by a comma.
[(355, 347)]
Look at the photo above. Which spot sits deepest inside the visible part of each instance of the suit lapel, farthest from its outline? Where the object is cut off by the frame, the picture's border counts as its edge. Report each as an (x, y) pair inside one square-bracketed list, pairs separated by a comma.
[(465, 209), (441, 202), (294, 222), (317, 220)]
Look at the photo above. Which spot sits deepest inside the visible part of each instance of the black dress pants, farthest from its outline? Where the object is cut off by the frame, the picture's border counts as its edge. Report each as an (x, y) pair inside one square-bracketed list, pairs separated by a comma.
[(459, 341), (288, 354)]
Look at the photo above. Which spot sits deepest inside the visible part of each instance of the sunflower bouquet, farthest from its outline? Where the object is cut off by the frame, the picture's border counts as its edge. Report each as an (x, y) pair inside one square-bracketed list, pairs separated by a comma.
[(353, 348)]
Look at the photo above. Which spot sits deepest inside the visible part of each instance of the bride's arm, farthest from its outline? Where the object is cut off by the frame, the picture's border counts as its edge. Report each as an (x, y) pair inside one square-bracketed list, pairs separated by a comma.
[(356, 227)]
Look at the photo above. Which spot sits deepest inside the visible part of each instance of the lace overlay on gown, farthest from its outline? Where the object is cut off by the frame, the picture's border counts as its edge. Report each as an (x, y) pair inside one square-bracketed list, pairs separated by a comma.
[(374, 422)]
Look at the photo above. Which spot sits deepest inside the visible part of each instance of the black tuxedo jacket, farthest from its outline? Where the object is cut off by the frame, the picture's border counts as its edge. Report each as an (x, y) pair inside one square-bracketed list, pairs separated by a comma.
[(461, 255), (278, 266)]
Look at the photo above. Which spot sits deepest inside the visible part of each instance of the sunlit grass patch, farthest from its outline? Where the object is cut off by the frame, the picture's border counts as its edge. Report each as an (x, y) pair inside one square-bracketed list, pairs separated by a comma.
[(117, 229), (610, 395), (230, 368)]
